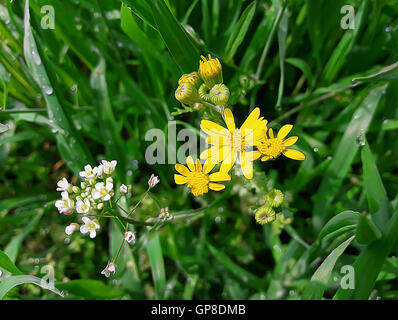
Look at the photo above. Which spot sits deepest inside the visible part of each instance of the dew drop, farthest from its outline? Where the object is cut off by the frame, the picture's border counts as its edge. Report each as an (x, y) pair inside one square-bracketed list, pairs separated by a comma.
[(360, 141), (217, 219), (387, 29), (36, 58), (47, 90), (316, 149)]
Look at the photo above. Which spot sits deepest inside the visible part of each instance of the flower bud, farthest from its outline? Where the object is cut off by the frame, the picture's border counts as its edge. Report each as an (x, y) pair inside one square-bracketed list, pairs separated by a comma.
[(274, 197), (83, 185), (219, 94), (109, 269), (187, 93), (123, 189), (264, 215), (210, 71), (71, 228), (100, 206), (204, 93), (153, 180), (129, 236), (75, 189), (192, 78)]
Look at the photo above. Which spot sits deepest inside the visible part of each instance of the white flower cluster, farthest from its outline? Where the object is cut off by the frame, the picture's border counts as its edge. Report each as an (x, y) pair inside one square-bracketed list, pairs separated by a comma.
[(95, 189)]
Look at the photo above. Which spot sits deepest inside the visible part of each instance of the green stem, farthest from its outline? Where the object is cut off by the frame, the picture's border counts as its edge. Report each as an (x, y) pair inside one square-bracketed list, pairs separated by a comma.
[(268, 43)]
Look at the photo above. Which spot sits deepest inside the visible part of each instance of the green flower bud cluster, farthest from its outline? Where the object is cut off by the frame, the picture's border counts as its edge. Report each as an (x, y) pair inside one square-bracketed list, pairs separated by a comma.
[(266, 213), (191, 90)]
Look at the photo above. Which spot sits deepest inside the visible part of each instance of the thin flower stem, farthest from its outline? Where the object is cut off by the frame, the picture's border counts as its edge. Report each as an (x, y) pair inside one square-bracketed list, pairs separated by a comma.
[(268, 43), (120, 249)]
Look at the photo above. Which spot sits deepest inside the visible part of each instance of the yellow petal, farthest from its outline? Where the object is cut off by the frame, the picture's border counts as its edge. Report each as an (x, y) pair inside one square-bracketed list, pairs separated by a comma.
[(208, 166), (271, 133), (290, 141), (212, 128), (251, 121), (182, 169), (216, 154), (198, 166), (180, 179), (219, 176), (191, 164), (229, 119), (284, 131), (294, 154), (247, 167), (229, 161), (216, 186), (265, 158), (251, 155)]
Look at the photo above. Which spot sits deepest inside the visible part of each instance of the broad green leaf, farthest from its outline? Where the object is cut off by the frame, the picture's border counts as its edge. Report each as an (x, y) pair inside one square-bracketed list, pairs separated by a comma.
[(181, 47), (156, 261), (369, 263), (239, 32), (376, 194), (90, 289), (13, 281), (346, 220), (320, 278), (344, 155), (69, 142), (367, 231), (7, 264)]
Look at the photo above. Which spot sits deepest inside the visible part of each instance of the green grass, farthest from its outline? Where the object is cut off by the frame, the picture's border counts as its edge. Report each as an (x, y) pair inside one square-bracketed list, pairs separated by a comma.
[(92, 87)]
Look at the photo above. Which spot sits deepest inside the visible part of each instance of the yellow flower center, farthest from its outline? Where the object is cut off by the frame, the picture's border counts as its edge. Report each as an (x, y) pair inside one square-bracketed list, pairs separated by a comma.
[(198, 182), (271, 147)]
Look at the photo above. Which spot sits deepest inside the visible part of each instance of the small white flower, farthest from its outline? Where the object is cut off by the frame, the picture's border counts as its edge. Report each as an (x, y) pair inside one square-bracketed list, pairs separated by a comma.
[(129, 236), (99, 171), (108, 167), (66, 205), (105, 192), (109, 180), (110, 268), (71, 228), (88, 173), (90, 226), (64, 185), (123, 189), (153, 180), (83, 206)]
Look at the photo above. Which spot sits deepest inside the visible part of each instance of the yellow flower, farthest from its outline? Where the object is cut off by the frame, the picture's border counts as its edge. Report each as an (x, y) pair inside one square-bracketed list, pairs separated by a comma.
[(197, 177), (210, 71), (192, 78), (230, 142), (272, 147)]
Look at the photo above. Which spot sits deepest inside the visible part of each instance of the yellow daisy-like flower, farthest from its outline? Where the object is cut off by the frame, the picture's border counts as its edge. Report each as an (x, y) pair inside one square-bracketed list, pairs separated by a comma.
[(230, 142), (211, 71), (271, 147), (198, 178)]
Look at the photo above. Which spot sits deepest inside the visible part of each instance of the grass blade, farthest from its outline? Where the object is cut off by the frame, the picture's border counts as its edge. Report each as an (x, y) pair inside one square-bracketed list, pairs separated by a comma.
[(344, 155), (320, 278), (239, 32), (155, 256)]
